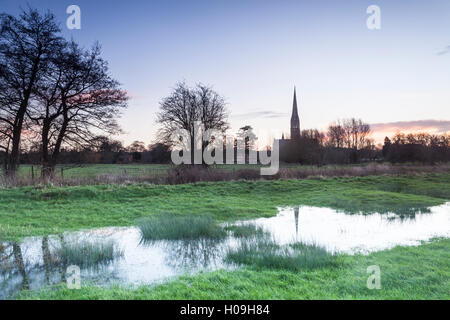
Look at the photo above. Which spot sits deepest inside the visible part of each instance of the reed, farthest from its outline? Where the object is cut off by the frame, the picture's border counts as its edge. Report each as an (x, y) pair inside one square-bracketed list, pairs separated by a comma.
[(172, 227), (263, 252), (84, 253)]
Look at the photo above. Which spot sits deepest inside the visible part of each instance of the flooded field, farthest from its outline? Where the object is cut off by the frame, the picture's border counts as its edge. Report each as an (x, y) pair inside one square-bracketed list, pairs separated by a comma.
[(119, 255), (352, 233)]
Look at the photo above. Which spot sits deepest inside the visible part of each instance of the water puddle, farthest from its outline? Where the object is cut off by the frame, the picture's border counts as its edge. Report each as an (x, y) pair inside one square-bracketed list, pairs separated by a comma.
[(356, 233), (32, 263)]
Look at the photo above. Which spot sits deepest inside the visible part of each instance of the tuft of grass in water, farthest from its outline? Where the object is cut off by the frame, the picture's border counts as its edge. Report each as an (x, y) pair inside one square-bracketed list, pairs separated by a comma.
[(171, 227), (245, 230), (89, 254), (313, 255), (264, 253)]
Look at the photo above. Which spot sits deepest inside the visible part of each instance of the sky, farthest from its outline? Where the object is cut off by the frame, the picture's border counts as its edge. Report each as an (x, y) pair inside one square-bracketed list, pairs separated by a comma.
[(253, 52)]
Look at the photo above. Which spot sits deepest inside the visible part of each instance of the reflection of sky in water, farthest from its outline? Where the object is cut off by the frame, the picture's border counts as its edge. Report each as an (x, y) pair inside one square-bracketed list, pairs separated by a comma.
[(350, 233), (144, 263)]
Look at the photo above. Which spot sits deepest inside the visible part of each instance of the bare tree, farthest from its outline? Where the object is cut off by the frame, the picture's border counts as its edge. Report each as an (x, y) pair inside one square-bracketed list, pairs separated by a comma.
[(361, 132), (185, 106), (336, 134), (356, 133), (247, 135), (247, 140), (313, 135), (27, 44), (75, 101)]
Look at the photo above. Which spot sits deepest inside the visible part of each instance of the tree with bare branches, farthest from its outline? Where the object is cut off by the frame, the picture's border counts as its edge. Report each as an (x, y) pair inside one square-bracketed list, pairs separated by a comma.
[(350, 133), (186, 106), (357, 133), (27, 43), (75, 101), (336, 134)]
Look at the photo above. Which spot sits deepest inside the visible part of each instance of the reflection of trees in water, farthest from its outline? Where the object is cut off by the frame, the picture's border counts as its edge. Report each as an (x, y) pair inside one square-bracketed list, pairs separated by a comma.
[(194, 253), (52, 264), (401, 214), (19, 263), (19, 270), (6, 255), (12, 263), (47, 258), (401, 217), (12, 268), (63, 264)]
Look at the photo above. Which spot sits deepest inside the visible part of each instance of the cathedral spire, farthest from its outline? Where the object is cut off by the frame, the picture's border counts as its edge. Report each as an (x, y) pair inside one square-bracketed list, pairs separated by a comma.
[(294, 105), (295, 121)]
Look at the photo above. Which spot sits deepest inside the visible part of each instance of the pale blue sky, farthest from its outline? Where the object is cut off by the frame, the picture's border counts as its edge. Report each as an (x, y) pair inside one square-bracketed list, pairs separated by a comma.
[(254, 52)]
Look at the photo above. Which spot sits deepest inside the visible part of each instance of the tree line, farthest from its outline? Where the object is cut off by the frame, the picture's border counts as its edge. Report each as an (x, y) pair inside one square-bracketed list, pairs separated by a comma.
[(418, 147), (313, 147), (348, 141), (345, 141)]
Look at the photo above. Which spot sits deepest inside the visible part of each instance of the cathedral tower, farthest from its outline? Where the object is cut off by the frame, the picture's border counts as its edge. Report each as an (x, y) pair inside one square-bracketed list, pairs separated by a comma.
[(295, 121)]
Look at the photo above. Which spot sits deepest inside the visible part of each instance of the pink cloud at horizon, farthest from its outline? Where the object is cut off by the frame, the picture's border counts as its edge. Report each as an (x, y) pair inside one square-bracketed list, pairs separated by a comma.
[(381, 130)]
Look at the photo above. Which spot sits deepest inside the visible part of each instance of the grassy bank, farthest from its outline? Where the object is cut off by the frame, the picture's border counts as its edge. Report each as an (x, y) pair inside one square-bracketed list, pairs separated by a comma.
[(133, 170), (402, 277), (29, 211), (170, 175)]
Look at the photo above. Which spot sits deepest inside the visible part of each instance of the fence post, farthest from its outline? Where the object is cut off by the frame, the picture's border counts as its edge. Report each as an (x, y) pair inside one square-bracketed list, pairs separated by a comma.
[(32, 173), (62, 173)]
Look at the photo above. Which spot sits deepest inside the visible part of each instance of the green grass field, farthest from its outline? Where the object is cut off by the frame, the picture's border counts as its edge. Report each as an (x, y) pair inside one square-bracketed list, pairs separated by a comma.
[(29, 211), (94, 170)]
